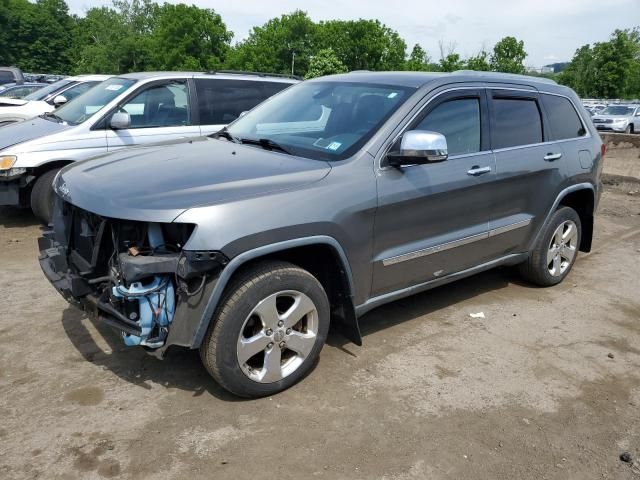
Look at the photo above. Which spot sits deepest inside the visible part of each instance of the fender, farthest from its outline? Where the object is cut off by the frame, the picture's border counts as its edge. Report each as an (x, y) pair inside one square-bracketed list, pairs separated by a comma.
[(561, 195), (350, 324)]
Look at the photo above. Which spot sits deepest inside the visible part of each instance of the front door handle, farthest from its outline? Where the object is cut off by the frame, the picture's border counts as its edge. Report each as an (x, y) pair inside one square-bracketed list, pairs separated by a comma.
[(476, 170), (550, 157)]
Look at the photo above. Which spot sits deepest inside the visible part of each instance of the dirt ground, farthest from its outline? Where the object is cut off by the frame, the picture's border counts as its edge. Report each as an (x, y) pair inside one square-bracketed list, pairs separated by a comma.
[(547, 386)]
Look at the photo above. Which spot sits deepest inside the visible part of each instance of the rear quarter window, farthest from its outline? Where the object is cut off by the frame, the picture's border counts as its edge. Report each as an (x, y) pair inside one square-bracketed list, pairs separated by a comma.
[(515, 122), (564, 122), (222, 101)]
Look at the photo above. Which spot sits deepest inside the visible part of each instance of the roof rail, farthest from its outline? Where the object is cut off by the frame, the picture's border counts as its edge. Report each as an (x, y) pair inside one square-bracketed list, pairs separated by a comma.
[(257, 74), (513, 76)]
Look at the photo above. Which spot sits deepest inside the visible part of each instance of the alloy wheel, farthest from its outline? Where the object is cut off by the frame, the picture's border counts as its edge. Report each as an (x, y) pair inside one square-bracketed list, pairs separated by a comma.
[(562, 248), (277, 336)]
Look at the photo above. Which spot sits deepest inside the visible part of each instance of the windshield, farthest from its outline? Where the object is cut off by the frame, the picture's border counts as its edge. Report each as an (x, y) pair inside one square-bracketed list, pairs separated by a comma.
[(83, 107), (617, 110), (44, 92), (321, 120)]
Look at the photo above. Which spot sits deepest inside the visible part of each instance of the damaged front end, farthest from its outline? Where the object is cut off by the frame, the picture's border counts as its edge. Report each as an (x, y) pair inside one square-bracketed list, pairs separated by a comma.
[(134, 276)]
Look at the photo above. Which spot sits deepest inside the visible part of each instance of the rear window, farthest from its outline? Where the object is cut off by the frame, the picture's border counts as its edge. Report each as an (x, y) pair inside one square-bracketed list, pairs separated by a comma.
[(222, 101), (516, 121), (564, 121)]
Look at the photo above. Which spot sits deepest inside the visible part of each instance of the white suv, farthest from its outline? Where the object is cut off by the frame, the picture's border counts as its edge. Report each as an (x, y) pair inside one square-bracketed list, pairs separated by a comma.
[(123, 111)]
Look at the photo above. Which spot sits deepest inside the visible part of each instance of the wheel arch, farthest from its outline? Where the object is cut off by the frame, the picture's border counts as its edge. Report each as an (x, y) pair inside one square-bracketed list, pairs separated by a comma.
[(322, 256), (580, 197), (45, 167)]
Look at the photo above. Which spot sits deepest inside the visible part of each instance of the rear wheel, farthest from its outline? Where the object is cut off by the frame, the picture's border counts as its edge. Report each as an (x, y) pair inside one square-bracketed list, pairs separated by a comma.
[(42, 196), (268, 330), (556, 250)]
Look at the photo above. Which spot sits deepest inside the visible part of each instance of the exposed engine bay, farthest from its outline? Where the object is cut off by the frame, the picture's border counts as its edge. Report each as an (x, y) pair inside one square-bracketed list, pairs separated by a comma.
[(131, 275)]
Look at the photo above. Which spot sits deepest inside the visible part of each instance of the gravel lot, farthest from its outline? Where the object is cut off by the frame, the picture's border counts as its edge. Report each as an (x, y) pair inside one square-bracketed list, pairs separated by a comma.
[(547, 386)]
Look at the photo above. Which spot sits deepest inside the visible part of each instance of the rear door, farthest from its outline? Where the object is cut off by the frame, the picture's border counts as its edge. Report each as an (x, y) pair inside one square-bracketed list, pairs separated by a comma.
[(159, 112), (432, 220), (221, 101), (529, 169)]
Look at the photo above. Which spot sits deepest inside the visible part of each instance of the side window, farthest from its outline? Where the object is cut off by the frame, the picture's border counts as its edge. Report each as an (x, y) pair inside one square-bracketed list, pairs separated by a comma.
[(6, 77), (222, 101), (459, 121), (564, 121), (165, 105), (516, 121)]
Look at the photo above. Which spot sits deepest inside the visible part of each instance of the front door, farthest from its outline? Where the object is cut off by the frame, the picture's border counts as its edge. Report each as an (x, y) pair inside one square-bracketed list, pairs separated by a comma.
[(159, 113), (432, 219)]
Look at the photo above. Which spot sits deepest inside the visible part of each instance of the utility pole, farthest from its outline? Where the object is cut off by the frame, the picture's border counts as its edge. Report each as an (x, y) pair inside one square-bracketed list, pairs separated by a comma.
[(293, 60)]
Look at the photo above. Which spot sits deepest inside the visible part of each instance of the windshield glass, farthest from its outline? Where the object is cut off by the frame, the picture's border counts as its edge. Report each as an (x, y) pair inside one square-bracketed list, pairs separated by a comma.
[(617, 110), (321, 120), (43, 92), (86, 105)]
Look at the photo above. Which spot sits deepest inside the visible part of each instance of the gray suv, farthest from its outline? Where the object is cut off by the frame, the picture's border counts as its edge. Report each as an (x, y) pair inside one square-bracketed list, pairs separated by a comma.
[(335, 196)]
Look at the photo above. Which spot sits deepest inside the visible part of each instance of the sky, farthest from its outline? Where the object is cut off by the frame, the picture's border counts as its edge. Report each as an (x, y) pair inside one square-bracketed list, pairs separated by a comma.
[(551, 29)]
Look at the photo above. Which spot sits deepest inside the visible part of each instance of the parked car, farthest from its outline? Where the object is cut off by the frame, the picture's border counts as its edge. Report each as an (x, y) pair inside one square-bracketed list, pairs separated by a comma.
[(46, 99), (11, 75), (14, 90), (333, 197), (618, 118), (125, 111)]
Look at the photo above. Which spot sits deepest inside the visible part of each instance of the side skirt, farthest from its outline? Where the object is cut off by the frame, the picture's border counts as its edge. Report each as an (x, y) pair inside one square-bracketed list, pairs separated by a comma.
[(374, 302)]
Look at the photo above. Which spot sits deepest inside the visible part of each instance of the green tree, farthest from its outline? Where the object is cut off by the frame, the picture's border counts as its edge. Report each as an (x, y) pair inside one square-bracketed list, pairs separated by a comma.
[(418, 59), (363, 44), (325, 62), (38, 35), (608, 69), (190, 38), (451, 63), (277, 46), (480, 62), (508, 56)]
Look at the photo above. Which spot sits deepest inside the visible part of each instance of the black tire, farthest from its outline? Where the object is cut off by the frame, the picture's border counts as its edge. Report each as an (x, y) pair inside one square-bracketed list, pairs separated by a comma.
[(219, 347), (629, 129), (42, 196), (536, 269)]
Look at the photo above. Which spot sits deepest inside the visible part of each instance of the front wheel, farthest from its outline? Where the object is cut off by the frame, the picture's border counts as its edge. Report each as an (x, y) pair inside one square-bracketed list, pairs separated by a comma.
[(268, 330), (556, 250)]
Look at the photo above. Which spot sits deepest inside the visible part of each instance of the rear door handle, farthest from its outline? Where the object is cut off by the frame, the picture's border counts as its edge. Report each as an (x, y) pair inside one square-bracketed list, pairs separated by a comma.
[(475, 170), (550, 157)]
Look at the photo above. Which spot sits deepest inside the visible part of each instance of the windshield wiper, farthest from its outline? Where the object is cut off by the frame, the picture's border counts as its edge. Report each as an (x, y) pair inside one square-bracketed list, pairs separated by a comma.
[(226, 134), (265, 143), (52, 115)]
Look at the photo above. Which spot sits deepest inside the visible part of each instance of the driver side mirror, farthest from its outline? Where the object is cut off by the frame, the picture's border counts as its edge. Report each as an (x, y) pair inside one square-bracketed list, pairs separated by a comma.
[(120, 121), (59, 100), (418, 147)]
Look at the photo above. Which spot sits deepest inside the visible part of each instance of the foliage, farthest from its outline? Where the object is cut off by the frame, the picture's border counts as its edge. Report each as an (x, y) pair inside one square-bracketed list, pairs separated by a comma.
[(607, 69), (363, 44), (139, 35), (508, 56), (325, 62), (418, 60), (480, 62), (279, 46)]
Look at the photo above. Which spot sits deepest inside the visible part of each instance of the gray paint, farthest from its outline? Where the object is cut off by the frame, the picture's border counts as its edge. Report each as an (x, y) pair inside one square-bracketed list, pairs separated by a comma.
[(246, 201)]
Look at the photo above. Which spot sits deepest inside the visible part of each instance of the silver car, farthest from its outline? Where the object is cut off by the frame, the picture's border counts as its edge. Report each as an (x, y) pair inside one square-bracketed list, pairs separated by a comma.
[(124, 111), (618, 118)]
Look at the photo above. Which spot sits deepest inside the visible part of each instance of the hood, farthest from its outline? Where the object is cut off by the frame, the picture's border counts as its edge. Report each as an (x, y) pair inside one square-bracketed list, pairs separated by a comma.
[(12, 102), (20, 132), (159, 183)]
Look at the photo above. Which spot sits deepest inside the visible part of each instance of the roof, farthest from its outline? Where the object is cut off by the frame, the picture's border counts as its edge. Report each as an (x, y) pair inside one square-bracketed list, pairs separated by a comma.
[(89, 78), (419, 79), (222, 73)]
